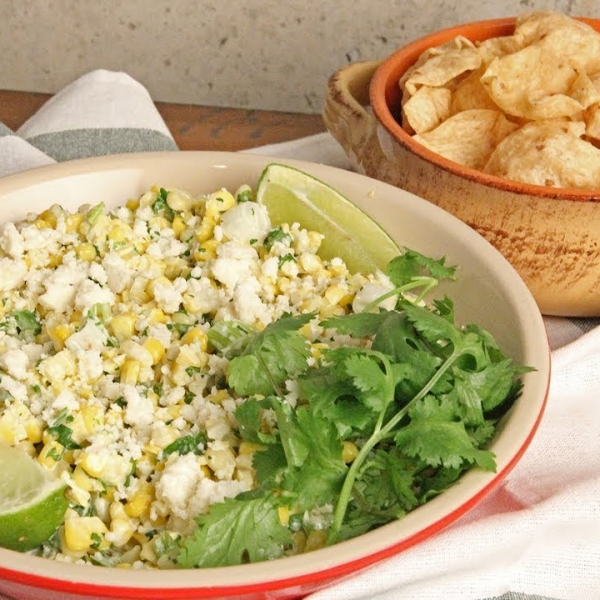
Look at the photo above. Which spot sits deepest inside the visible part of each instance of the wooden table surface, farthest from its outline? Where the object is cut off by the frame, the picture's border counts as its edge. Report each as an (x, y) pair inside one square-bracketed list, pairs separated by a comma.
[(193, 127)]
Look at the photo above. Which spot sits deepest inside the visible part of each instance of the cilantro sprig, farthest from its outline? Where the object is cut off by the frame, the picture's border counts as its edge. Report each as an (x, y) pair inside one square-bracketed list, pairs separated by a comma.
[(419, 399)]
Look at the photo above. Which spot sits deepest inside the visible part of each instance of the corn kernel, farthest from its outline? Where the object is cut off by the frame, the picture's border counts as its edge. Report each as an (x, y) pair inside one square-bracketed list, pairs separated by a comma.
[(219, 202), (122, 326), (35, 431), (42, 224), (73, 221), (140, 503), (158, 223), (81, 533), (314, 540), (205, 231), (178, 225), (159, 281), (349, 451), (179, 200), (155, 348), (334, 294), (118, 232), (86, 252), (284, 515), (82, 479), (132, 204), (93, 463), (51, 454), (130, 372), (195, 335), (121, 531), (190, 356), (249, 448), (49, 217), (59, 335)]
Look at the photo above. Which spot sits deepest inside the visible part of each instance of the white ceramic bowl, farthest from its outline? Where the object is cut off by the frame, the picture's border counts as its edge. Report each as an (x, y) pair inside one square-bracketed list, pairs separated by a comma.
[(489, 292)]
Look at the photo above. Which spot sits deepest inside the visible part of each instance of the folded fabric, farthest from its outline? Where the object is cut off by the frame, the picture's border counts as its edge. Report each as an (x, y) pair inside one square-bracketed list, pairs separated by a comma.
[(538, 535), (102, 112)]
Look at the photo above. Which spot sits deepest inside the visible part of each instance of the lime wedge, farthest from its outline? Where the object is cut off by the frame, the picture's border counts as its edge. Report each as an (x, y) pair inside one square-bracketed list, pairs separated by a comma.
[(32, 501), (293, 196)]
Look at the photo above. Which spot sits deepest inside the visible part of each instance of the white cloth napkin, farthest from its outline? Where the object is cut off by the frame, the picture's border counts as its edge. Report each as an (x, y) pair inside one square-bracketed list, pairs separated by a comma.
[(537, 537)]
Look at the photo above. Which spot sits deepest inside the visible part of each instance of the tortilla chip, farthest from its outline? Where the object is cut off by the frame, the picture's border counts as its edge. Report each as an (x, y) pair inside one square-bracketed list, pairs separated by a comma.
[(456, 43), (426, 109), (439, 70), (532, 83), (548, 153), (470, 93), (469, 137), (591, 119)]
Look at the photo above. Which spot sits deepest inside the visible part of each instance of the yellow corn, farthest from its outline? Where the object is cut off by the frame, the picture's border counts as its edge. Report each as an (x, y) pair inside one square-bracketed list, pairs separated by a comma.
[(42, 224), (207, 250), (130, 371), (349, 451), (81, 533), (119, 232), (334, 294), (35, 431), (158, 223), (190, 356), (140, 503), (314, 540), (137, 292), (155, 348), (159, 281), (157, 315), (50, 215), (121, 531), (82, 479), (93, 463), (195, 335), (7, 431), (284, 515), (178, 225), (205, 231), (86, 252), (73, 221), (51, 454), (219, 202), (179, 200), (59, 335), (132, 204), (122, 326)]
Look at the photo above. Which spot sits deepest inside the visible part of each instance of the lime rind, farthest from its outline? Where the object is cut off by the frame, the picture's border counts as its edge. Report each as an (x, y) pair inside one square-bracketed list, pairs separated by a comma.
[(291, 195), (32, 501)]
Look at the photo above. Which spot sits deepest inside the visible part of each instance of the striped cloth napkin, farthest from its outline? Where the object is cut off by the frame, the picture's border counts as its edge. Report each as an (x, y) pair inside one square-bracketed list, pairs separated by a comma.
[(537, 537)]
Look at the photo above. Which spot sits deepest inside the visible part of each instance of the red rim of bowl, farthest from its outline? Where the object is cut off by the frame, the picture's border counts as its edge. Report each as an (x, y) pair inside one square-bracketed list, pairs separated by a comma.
[(385, 98)]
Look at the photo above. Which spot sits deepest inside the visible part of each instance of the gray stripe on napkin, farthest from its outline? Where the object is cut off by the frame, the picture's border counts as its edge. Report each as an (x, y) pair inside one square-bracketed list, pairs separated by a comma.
[(4, 130), (81, 143), (585, 324)]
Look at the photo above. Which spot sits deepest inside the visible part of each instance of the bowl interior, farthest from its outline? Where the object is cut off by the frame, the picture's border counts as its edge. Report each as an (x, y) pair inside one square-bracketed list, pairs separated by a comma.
[(386, 98), (488, 292)]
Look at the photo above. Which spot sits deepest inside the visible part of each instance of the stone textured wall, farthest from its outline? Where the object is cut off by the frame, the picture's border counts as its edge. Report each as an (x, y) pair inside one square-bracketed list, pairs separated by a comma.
[(270, 54)]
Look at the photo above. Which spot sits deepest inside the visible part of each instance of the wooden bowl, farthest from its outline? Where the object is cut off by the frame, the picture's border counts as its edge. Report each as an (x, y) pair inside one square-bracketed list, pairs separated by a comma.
[(550, 235)]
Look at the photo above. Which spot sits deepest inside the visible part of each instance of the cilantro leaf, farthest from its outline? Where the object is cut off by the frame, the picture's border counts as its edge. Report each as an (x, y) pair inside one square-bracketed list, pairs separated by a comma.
[(412, 264), (272, 356), (193, 443), (444, 443), (236, 531)]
